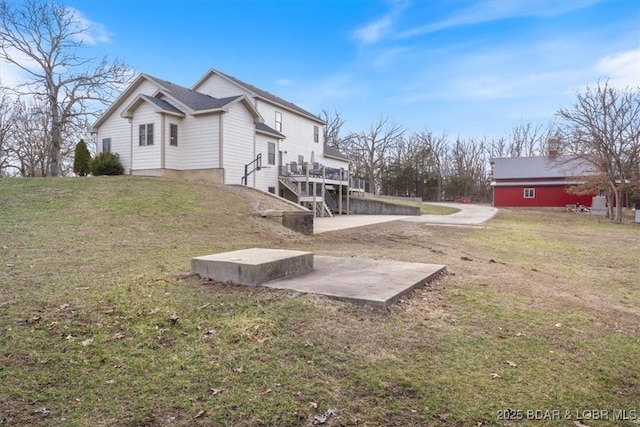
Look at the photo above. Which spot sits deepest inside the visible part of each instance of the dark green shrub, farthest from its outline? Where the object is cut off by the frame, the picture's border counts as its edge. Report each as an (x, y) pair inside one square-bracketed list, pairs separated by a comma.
[(81, 159), (106, 163)]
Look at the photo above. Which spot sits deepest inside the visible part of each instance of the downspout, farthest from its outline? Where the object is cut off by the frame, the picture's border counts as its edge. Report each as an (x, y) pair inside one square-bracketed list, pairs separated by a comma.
[(221, 146), (254, 153), (130, 146), (162, 142)]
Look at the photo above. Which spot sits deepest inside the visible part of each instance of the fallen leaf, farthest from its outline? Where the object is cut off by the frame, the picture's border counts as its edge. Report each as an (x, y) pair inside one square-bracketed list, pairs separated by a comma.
[(313, 405), (87, 342), (238, 369), (558, 325), (579, 424), (118, 336), (215, 391), (512, 364), (110, 382), (495, 376), (199, 414), (202, 307), (466, 258), (173, 318), (43, 412)]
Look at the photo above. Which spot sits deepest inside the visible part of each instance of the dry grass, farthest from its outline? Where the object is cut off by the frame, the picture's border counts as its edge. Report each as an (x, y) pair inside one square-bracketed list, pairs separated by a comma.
[(101, 325)]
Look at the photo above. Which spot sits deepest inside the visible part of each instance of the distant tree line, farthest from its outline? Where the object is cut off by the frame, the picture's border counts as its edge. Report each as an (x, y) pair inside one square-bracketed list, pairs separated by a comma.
[(602, 128)]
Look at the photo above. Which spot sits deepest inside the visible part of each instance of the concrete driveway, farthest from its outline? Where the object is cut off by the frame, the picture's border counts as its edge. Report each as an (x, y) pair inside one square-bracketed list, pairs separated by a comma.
[(469, 214)]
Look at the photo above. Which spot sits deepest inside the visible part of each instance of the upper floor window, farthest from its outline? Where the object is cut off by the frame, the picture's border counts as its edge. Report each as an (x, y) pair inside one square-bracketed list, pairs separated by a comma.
[(173, 134), (301, 160), (316, 134), (278, 121), (271, 154), (106, 145), (529, 193), (146, 134)]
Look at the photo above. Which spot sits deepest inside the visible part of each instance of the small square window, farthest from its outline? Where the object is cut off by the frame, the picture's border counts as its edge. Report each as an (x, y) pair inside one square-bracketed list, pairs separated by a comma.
[(146, 134), (278, 121), (271, 154), (173, 134), (529, 193)]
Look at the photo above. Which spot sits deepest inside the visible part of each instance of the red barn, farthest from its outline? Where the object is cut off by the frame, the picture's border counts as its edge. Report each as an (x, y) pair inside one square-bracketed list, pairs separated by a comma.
[(540, 181)]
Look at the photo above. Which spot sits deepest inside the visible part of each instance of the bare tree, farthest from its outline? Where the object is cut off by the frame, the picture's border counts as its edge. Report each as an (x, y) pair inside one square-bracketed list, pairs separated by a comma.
[(369, 149), (438, 148), (333, 129), (51, 38), (468, 174), (603, 129), (7, 122), (528, 139)]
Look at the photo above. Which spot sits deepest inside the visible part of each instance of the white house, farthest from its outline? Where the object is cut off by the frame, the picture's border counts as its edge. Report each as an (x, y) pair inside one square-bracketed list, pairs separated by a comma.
[(225, 131)]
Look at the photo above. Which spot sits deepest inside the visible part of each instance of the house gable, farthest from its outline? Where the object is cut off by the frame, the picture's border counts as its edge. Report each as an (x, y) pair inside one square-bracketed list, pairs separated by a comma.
[(205, 84)]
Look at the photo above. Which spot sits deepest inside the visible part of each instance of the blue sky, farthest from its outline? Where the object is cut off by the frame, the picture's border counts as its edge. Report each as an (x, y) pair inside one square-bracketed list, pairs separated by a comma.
[(469, 68)]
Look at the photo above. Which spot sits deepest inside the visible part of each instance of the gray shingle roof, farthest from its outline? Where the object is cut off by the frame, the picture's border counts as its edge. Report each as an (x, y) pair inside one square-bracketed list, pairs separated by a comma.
[(163, 104), (332, 152), (540, 167), (195, 100), (271, 97), (264, 128)]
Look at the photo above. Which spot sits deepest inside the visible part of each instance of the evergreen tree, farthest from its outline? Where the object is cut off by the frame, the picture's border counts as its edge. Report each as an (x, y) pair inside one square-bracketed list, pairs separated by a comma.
[(81, 159)]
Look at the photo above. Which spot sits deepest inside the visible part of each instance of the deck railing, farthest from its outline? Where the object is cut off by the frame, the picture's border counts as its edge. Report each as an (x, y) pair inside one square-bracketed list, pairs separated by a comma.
[(356, 184), (315, 170)]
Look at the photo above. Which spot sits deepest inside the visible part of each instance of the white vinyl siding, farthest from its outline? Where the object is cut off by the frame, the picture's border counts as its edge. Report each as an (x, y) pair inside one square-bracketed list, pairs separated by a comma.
[(298, 131), (173, 153), (146, 156), (238, 143), (219, 87), (266, 177), (118, 129), (200, 142)]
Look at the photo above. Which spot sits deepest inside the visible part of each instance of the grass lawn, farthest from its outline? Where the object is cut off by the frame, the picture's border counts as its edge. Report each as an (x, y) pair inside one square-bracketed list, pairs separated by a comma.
[(100, 323)]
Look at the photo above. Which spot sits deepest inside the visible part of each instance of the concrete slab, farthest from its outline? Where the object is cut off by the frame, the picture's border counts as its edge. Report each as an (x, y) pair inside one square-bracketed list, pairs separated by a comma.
[(340, 222), (252, 266), (366, 281)]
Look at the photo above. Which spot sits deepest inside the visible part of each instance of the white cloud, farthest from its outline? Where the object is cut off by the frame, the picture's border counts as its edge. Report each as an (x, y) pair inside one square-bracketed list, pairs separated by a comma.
[(621, 68), (90, 32), (285, 82), (374, 31), (493, 10), (380, 28)]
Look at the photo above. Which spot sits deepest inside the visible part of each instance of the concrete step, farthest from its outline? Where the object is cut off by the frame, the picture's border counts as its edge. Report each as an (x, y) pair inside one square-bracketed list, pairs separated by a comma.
[(252, 266)]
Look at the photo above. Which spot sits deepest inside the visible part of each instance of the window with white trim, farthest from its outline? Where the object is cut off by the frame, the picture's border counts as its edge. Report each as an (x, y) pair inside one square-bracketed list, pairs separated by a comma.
[(106, 145), (278, 121), (173, 134), (145, 134), (301, 160), (271, 153), (316, 134), (529, 193)]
